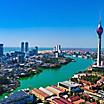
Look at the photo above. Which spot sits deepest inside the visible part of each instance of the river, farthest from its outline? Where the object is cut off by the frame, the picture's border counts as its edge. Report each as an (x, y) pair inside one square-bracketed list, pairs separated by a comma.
[(53, 76)]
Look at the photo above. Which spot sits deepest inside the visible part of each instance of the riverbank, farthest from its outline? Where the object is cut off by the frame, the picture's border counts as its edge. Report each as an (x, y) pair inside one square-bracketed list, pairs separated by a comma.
[(11, 82), (51, 77)]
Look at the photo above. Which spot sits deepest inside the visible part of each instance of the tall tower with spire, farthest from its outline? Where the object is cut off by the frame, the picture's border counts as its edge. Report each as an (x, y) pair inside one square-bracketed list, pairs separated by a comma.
[(99, 32)]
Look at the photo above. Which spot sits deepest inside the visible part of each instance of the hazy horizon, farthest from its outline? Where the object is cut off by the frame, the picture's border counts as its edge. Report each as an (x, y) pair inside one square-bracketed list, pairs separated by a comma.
[(53, 47)]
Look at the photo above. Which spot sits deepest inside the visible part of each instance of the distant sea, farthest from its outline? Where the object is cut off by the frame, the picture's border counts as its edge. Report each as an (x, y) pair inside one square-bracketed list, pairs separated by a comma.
[(11, 49)]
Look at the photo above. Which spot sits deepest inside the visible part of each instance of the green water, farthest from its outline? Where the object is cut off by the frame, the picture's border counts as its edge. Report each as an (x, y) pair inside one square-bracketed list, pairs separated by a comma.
[(52, 76)]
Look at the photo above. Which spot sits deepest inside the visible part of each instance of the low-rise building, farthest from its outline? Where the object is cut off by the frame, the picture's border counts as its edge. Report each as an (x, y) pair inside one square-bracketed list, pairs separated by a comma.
[(60, 101), (39, 94), (19, 97), (54, 90), (46, 91), (68, 85)]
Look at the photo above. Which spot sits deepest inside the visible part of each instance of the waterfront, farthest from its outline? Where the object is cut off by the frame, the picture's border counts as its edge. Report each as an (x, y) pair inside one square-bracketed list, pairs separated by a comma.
[(52, 76), (11, 49)]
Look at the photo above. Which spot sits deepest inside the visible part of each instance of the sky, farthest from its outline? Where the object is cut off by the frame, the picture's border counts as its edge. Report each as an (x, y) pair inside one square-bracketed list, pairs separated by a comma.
[(46, 23)]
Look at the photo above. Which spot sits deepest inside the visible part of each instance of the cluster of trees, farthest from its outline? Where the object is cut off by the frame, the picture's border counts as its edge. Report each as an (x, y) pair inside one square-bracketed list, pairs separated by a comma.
[(4, 80), (74, 79), (1, 89), (93, 79), (102, 87), (99, 71), (50, 60)]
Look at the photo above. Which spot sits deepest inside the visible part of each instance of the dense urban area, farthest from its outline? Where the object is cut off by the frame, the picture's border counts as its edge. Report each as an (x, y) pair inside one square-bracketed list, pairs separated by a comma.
[(85, 87)]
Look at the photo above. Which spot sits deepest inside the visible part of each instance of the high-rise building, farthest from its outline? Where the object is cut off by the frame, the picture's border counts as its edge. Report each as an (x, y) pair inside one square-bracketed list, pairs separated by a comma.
[(36, 48), (57, 48), (56, 54), (1, 50), (99, 32), (22, 46), (20, 58), (33, 51), (26, 47)]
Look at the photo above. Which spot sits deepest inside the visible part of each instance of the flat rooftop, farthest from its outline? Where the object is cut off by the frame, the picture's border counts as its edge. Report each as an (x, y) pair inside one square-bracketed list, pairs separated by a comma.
[(69, 84)]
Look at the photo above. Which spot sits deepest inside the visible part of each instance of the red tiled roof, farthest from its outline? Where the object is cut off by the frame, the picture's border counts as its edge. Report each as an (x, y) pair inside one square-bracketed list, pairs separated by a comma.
[(65, 101), (74, 98), (79, 101), (86, 82), (93, 103), (86, 95), (56, 101), (40, 92), (88, 89), (58, 88)]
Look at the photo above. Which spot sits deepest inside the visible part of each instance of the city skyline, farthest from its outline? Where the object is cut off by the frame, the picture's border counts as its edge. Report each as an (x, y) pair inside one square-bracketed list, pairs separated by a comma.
[(47, 23)]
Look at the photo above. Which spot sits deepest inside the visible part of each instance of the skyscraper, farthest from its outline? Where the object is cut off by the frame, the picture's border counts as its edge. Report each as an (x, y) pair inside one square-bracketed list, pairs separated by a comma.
[(58, 48), (99, 32), (26, 47), (20, 58), (1, 50), (22, 46), (36, 48)]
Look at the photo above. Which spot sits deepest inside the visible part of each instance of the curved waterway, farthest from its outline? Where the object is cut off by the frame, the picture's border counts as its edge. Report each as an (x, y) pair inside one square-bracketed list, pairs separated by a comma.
[(53, 76)]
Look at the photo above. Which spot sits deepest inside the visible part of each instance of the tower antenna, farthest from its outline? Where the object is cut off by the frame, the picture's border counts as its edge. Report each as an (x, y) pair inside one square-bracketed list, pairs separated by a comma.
[(100, 15)]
